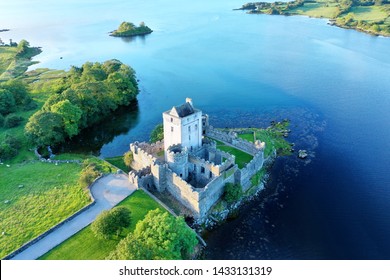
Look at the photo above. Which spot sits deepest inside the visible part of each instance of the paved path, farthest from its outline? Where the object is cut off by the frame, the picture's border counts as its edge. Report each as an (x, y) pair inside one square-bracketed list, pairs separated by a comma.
[(107, 191)]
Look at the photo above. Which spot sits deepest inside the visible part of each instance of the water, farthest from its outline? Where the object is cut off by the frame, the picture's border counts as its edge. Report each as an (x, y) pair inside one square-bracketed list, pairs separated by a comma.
[(246, 70)]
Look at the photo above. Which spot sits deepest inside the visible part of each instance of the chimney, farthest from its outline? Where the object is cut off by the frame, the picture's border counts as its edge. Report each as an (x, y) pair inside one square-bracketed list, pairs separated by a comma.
[(189, 100)]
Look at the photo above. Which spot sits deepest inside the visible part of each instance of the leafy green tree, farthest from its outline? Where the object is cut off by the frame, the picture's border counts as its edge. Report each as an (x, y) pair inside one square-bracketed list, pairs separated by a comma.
[(131, 248), (160, 236), (157, 133), (45, 128), (9, 147), (71, 115), (111, 222), (128, 158), (19, 91), (1, 120), (232, 192), (12, 121), (23, 47), (7, 102)]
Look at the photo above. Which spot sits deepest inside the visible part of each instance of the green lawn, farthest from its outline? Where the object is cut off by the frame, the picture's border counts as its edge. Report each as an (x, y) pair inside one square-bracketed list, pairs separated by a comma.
[(85, 246), (242, 158), (49, 194), (316, 10), (118, 162), (369, 13)]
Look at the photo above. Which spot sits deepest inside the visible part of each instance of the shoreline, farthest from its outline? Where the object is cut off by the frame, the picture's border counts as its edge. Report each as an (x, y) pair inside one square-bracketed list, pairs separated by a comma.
[(292, 9)]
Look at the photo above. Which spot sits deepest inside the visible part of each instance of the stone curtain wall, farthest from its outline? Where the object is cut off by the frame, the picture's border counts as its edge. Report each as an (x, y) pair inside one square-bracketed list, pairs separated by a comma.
[(232, 139), (183, 192), (250, 169), (153, 148), (141, 158)]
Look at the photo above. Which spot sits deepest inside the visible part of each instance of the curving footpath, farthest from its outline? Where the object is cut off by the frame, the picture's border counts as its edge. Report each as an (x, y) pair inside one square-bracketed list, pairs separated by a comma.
[(108, 191)]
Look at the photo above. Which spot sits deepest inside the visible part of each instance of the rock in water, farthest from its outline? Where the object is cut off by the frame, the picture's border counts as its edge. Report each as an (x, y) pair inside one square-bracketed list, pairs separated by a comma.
[(302, 154)]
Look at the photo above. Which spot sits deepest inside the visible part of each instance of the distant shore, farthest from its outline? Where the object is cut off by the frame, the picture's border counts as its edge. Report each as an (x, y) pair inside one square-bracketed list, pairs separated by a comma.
[(367, 17)]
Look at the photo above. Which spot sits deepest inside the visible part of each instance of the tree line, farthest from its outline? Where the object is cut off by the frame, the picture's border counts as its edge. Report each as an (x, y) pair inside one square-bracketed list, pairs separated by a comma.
[(82, 98)]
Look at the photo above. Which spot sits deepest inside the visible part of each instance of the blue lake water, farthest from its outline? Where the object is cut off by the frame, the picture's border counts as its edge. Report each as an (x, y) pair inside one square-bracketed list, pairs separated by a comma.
[(246, 70)]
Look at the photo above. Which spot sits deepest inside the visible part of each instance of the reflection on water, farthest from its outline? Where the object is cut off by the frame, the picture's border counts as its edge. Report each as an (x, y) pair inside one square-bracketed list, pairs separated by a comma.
[(91, 139)]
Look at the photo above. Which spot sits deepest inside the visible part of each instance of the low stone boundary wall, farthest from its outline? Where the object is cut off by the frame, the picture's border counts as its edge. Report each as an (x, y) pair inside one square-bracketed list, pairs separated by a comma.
[(36, 239)]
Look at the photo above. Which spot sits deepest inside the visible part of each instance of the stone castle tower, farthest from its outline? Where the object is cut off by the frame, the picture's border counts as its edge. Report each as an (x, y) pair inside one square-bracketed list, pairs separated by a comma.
[(182, 125)]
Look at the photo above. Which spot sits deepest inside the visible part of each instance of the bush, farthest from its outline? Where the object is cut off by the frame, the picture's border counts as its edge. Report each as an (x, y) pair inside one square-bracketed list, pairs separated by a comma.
[(111, 222), (9, 147), (88, 175), (128, 158), (12, 121), (7, 151), (232, 192)]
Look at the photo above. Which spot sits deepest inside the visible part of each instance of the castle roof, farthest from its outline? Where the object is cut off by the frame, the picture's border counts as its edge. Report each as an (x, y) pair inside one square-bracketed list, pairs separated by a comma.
[(183, 110)]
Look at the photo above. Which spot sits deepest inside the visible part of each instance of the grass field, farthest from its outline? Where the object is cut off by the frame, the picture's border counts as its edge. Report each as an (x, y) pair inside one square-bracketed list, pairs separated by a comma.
[(118, 162), (85, 246), (242, 158), (49, 194), (317, 10), (369, 13)]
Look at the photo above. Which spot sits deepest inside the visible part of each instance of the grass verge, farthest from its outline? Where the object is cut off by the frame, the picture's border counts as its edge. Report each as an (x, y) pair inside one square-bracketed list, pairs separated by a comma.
[(34, 197), (85, 246)]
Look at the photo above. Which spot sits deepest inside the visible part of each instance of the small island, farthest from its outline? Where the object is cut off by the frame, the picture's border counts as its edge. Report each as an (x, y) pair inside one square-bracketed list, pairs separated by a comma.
[(369, 16), (128, 29)]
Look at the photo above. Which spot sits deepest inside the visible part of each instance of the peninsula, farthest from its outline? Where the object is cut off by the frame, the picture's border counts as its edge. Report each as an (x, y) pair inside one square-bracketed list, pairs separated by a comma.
[(367, 16), (128, 29)]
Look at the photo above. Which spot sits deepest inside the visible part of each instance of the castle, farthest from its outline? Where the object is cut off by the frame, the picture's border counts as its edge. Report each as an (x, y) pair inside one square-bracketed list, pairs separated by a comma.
[(187, 163)]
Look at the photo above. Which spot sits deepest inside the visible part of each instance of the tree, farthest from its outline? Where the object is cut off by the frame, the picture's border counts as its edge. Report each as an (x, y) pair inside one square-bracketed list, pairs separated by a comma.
[(158, 236), (111, 222), (232, 192), (45, 128), (71, 115), (7, 102), (23, 47), (128, 158), (157, 133), (12, 121), (131, 248)]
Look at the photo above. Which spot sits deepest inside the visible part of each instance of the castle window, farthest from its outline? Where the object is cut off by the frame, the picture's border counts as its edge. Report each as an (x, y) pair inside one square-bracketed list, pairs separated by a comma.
[(211, 175), (196, 127), (171, 128), (189, 137), (171, 119), (189, 128), (202, 169)]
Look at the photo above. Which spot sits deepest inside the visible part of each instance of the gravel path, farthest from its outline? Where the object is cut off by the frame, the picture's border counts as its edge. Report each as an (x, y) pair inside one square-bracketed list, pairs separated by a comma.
[(107, 191)]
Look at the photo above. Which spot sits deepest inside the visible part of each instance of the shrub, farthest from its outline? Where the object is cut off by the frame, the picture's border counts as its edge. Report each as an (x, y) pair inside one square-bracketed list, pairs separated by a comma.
[(232, 192), (12, 121), (7, 151), (111, 222), (128, 158), (88, 175)]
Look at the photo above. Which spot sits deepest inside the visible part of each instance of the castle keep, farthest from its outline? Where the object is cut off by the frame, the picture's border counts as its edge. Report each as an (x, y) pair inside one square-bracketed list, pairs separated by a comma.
[(187, 163)]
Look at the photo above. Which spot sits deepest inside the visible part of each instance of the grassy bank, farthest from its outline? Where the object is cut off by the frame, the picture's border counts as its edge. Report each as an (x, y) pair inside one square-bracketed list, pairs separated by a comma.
[(85, 246), (12, 65), (34, 197), (242, 158), (369, 17)]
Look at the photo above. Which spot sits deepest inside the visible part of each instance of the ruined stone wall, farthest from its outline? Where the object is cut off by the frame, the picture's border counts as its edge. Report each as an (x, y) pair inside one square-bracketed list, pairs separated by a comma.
[(141, 158), (244, 176), (153, 148), (232, 139), (183, 192)]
